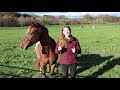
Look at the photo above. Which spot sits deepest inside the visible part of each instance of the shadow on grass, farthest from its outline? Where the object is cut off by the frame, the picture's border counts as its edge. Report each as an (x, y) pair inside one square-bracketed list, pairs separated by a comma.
[(11, 75), (14, 75), (109, 65), (56, 74), (14, 67), (87, 61)]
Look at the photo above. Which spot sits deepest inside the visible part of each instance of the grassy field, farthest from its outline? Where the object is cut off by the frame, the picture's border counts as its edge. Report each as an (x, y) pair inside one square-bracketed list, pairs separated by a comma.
[(100, 57)]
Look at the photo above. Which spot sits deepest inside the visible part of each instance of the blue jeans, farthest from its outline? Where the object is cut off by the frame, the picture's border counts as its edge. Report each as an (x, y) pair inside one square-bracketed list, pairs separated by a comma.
[(64, 69)]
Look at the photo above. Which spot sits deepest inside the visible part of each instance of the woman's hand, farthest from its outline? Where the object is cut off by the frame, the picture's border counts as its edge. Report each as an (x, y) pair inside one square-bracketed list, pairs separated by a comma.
[(59, 48), (73, 49)]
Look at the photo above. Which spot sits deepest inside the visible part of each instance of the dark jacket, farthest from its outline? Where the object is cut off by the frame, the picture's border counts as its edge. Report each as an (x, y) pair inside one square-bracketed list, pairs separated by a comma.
[(67, 56)]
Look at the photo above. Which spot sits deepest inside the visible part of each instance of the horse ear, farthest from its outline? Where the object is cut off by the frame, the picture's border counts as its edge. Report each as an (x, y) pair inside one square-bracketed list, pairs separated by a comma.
[(31, 24)]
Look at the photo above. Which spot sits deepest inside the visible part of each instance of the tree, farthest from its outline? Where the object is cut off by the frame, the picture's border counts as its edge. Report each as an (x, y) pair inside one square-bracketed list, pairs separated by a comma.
[(62, 22), (21, 21), (87, 18)]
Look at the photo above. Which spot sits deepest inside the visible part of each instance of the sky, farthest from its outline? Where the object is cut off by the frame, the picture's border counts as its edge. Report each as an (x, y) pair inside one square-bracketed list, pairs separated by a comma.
[(71, 14)]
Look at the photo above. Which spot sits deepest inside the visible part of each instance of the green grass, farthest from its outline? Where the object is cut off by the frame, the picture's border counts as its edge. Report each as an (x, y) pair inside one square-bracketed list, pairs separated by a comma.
[(100, 57)]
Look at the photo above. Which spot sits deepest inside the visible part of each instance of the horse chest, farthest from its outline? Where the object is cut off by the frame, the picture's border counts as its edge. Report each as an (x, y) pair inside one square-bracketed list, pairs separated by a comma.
[(41, 50)]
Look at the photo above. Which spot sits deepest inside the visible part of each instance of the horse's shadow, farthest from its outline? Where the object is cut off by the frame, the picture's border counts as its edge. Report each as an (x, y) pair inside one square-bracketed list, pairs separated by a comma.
[(87, 61)]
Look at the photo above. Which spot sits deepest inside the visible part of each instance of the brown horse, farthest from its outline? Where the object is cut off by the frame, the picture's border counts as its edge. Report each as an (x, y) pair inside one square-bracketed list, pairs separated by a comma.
[(45, 47)]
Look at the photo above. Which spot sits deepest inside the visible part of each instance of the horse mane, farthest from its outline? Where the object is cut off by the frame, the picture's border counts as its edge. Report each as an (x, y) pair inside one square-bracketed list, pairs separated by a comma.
[(38, 25)]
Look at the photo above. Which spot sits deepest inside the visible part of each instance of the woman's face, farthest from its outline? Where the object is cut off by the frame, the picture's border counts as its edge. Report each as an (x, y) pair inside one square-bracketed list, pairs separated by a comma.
[(66, 32)]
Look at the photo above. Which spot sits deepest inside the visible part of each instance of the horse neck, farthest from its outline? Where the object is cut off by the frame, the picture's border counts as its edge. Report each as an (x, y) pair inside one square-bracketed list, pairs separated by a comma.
[(44, 36), (45, 40)]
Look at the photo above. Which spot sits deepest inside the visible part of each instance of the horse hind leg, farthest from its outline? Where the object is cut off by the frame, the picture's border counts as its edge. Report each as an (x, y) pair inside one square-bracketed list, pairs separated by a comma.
[(36, 64)]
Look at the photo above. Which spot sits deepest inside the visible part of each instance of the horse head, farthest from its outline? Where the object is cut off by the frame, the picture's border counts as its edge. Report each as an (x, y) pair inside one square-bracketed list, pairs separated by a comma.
[(32, 35)]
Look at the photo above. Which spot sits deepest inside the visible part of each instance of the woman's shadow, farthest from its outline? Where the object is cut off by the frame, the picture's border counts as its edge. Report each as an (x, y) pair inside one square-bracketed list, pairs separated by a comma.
[(87, 61)]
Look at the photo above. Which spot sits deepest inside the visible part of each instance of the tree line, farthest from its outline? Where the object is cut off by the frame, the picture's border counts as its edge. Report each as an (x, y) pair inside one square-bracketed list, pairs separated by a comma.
[(16, 19)]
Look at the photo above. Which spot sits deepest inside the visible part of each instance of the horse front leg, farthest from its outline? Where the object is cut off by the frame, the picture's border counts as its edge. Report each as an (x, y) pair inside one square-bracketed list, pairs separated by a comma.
[(43, 70), (52, 68)]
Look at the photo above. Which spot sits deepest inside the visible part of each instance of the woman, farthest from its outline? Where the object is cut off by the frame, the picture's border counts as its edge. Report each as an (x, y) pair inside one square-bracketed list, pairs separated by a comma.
[(68, 54)]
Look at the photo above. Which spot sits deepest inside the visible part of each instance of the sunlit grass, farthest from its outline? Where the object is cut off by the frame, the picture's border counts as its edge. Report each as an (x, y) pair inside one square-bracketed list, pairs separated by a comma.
[(99, 57)]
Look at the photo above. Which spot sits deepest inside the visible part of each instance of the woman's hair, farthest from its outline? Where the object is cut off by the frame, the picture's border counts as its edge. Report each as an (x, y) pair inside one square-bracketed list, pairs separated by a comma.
[(63, 41), (62, 35)]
